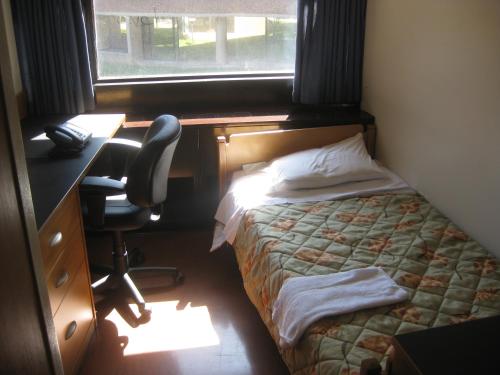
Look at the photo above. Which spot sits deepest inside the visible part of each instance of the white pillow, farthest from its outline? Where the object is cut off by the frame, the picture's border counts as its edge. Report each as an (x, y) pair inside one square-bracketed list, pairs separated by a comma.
[(342, 162)]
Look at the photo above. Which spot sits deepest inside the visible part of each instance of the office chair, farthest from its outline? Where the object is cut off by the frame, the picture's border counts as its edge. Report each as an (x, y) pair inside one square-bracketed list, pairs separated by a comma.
[(146, 187)]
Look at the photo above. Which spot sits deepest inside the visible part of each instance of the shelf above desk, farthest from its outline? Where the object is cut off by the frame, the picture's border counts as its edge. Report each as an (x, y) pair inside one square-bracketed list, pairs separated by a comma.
[(311, 118), (52, 179)]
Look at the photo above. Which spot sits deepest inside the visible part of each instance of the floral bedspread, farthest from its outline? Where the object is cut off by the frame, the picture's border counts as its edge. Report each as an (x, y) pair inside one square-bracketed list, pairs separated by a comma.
[(449, 276)]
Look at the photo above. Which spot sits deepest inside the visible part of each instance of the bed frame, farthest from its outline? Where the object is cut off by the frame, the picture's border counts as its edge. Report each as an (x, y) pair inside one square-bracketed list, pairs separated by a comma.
[(244, 148)]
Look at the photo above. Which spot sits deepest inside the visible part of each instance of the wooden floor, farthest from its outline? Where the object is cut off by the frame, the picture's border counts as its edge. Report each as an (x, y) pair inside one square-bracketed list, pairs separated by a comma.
[(205, 326)]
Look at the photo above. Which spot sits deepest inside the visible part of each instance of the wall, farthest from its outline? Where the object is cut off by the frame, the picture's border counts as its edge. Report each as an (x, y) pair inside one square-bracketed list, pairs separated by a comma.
[(22, 342), (211, 97), (27, 341), (432, 80)]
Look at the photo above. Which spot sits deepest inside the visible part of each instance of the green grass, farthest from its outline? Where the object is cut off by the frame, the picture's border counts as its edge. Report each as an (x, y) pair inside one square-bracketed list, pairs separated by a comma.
[(243, 54)]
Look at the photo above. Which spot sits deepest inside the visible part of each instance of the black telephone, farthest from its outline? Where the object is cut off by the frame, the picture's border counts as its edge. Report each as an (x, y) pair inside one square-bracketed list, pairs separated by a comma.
[(69, 138)]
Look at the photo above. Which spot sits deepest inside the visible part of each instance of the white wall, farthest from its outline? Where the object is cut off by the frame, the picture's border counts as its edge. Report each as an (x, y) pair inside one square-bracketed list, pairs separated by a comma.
[(432, 80)]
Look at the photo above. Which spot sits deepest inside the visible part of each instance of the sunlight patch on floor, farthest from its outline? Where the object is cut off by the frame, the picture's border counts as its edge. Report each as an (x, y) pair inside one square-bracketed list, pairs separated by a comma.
[(169, 329)]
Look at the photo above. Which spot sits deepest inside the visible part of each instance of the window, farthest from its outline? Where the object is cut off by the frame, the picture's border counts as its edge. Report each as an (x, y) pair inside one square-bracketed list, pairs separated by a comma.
[(144, 38)]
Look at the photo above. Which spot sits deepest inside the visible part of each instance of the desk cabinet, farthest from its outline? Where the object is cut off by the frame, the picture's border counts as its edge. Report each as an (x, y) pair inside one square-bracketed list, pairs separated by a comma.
[(68, 281), (67, 308), (462, 349)]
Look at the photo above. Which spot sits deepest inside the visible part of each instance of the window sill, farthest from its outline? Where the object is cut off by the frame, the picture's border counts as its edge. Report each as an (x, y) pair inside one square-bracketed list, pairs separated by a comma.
[(191, 79), (216, 121), (286, 119)]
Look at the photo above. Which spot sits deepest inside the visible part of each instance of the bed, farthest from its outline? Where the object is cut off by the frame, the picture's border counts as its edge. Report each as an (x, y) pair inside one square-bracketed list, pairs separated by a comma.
[(450, 278)]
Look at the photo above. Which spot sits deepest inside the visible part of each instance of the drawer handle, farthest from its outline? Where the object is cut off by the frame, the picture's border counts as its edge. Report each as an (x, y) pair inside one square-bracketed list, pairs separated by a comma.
[(56, 239), (71, 330), (62, 279)]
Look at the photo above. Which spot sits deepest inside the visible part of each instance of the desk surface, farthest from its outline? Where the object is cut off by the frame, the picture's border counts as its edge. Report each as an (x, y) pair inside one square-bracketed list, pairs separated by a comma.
[(51, 179), (466, 348)]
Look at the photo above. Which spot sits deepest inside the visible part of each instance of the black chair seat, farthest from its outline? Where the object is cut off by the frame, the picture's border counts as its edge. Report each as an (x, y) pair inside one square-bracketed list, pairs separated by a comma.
[(121, 215)]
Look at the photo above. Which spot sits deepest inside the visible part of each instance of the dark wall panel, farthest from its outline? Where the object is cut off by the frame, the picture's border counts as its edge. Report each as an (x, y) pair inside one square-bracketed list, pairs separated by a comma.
[(195, 97)]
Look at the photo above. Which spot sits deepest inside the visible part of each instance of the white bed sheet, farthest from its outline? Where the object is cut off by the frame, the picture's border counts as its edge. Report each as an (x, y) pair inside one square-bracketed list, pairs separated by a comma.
[(250, 190)]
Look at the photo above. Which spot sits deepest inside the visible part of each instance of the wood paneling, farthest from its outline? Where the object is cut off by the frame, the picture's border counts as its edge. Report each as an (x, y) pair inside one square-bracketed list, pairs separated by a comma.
[(73, 321), (264, 146), (65, 270), (68, 281), (58, 231), (23, 341), (216, 121), (195, 96)]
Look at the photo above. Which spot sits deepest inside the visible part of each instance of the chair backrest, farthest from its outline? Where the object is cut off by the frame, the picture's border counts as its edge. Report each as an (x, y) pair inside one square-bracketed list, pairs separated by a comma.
[(148, 173)]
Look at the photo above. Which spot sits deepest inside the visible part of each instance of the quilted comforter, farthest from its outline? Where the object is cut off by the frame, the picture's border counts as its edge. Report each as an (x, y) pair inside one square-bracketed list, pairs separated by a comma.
[(449, 276)]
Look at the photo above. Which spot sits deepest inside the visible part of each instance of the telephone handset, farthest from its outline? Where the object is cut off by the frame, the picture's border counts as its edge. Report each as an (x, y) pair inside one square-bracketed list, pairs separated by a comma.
[(69, 138)]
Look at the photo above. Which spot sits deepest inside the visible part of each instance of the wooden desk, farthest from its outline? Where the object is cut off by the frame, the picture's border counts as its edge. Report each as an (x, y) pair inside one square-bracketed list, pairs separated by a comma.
[(461, 349), (54, 189)]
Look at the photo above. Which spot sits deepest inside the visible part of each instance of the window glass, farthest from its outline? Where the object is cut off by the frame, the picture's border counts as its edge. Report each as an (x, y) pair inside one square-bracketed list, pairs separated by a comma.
[(194, 37)]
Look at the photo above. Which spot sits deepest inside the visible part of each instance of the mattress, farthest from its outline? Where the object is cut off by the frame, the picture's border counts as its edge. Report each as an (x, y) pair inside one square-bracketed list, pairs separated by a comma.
[(449, 276)]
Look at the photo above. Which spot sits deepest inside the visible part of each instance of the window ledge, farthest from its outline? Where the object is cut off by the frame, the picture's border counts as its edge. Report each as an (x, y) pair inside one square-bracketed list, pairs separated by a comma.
[(291, 118), (129, 81), (214, 121)]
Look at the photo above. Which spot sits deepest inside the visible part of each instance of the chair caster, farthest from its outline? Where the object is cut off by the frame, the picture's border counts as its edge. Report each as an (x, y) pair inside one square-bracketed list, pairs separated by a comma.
[(144, 317), (179, 279), (136, 257), (133, 318)]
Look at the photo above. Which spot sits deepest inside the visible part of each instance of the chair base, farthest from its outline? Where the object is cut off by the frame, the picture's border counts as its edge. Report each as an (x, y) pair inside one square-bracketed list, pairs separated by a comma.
[(119, 279)]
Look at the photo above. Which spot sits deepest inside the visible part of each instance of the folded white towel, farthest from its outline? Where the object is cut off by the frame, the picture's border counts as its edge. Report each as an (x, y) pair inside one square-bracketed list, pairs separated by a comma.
[(306, 299)]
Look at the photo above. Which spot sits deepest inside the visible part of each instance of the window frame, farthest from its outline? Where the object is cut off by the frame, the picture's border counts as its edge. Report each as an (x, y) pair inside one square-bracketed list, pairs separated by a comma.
[(88, 6), (192, 78)]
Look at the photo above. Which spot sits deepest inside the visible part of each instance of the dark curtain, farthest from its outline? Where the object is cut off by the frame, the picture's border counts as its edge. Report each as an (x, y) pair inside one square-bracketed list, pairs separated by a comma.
[(329, 60), (53, 54)]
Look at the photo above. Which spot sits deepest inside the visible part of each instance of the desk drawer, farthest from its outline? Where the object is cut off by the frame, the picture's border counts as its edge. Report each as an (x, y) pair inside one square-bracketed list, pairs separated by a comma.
[(65, 270), (73, 320), (57, 232)]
